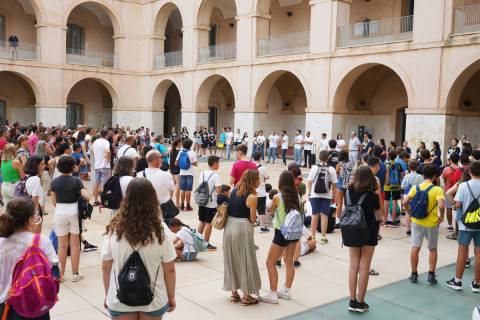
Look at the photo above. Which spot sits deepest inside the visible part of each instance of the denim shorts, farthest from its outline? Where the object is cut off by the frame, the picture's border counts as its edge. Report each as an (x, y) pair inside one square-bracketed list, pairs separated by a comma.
[(102, 175), (186, 183), (153, 314), (465, 237), (320, 205), (189, 256)]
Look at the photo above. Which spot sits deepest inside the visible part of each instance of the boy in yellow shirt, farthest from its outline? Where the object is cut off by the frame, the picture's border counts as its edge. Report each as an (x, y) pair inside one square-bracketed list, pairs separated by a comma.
[(428, 226)]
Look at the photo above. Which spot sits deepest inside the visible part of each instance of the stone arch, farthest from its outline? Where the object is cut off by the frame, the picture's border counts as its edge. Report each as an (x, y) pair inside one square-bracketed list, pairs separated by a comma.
[(109, 86), (205, 8), (38, 9), (463, 75), (204, 91), (36, 88), (160, 92), (118, 27), (162, 16)]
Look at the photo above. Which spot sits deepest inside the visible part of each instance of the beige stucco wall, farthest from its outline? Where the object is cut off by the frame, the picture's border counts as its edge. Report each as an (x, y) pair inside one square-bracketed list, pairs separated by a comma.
[(18, 22)]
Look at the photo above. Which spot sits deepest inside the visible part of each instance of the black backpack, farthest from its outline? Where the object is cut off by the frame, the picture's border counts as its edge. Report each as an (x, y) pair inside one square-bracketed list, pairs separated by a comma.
[(133, 286), (471, 216), (333, 158), (202, 194), (111, 195), (353, 224), (85, 209), (322, 180)]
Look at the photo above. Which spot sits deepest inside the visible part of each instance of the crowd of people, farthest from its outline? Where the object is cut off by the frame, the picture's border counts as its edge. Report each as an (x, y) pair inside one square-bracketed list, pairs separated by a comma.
[(145, 180)]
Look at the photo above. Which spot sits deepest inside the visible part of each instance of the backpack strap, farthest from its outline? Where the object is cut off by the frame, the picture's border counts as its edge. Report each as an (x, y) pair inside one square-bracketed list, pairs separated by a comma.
[(36, 241), (347, 197), (471, 192), (362, 199)]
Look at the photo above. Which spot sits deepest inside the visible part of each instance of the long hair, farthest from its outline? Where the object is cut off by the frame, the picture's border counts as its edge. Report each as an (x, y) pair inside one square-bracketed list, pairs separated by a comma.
[(286, 185), (9, 152), (138, 218), (363, 180), (248, 183)]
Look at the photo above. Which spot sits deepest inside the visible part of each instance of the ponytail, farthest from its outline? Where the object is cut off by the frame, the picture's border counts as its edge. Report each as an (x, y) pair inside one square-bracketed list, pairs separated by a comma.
[(16, 216), (7, 225)]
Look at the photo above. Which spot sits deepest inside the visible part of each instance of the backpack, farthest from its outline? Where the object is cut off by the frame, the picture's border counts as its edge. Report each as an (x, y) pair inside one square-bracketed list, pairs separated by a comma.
[(202, 194), (21, 188), (353, 224), (394, 178), (34, 290), (419, 203), (199, 242), (85, 209), (292, 227), (333, 158), (133, 286), (184, 160), (322, 182), (471, 216), (111, 196)]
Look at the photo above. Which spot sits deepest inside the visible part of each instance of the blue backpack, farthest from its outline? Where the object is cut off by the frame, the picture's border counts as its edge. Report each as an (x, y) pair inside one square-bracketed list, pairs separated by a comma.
[(184, 160), (419, 203), (394, 175)]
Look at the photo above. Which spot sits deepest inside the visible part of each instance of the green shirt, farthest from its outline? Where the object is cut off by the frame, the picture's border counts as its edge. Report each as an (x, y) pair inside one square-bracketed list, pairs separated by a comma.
[(9, 173), (280, 214)]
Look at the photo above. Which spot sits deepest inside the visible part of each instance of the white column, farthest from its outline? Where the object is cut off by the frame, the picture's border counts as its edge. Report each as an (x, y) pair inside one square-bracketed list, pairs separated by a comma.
[(189, 46), (192, 120), (428, 21), (50, 47), (245, 43), (249, 122), (51, 116), (136, 119), (318, 123)]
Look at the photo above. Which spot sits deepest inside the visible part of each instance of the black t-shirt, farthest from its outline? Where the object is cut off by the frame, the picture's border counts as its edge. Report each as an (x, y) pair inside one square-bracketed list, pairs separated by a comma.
[(332, 158), (141, 165), (204, 138), (67, 189), (211, 137), (369, 205)]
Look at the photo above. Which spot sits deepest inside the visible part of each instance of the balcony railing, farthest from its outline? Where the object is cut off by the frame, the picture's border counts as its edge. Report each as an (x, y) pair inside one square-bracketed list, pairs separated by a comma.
[(375, 32), (288, 43), (168, 59), (24, 51), (90, 58), (219, 52), (467, 19)]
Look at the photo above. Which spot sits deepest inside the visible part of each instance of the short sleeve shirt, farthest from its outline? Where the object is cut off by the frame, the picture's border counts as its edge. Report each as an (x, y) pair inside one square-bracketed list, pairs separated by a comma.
[(34, 186), (214, 182), (67, 189), (285, 142), (464, 196), (127, 151), (353, 144), (192, 156), (100, 148), (434, 195), (298, 142), (273, 141), (313, 176), (240, 167)]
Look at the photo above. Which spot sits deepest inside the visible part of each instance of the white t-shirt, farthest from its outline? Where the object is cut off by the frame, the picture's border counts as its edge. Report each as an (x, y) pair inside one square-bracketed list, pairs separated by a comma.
[(214, 182), (308, 146), (185, 235), (193, 158), (323, 144), (238, 138), (285, 142), (245, 140), (340, 145), (273, 141), (353, 144), (127, 151), (153, 255), (332, 178), (11, 249), (229, 136), (261, 140), (298, 142), (162, 181), (124, 181), (263, 175), (34, 186), (100, 148)]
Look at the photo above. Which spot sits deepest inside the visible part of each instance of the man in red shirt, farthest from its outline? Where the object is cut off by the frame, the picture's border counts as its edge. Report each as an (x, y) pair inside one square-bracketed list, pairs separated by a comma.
[(4, 134), (241, 165), (450, 176)]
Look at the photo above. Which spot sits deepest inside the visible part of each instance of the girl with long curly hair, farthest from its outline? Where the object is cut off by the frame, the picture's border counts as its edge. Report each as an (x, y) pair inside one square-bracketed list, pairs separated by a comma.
[(137, 227), (239, 258)]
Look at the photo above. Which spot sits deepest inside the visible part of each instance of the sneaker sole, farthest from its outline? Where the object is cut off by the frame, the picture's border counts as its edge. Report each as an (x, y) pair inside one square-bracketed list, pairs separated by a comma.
[(456, 288), (89, 250), (269, 301), (285, 297), (475, 290), (361, 310)]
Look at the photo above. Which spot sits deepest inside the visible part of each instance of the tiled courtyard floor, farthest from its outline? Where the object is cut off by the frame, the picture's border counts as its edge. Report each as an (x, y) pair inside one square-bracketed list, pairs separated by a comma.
[(322, 279)]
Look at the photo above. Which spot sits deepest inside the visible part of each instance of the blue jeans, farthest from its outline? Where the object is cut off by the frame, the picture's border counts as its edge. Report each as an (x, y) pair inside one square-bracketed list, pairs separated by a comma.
[(284, 156), (297, 154), (272, 153), (262, 153), (254, 149), (228, 147)]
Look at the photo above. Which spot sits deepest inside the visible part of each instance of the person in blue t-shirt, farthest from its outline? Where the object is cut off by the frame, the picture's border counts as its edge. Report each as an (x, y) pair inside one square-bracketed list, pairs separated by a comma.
[(78, 156), (402, 159), (160, 147)]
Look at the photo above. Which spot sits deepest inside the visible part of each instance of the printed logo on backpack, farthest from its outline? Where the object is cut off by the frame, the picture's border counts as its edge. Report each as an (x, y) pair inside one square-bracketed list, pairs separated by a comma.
[(322, 180), (471, 216)]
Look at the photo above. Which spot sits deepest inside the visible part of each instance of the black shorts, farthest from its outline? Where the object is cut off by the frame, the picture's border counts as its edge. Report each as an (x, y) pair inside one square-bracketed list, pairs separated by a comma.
[(393, 195), (206, 214), (279, 240), (204, 145), (373, 230), (212, 144), (261, 205)]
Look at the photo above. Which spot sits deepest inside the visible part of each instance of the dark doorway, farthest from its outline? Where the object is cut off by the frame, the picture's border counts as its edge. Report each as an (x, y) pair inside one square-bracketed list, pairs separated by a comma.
[(401, 124), (74, 114), (212, 117)]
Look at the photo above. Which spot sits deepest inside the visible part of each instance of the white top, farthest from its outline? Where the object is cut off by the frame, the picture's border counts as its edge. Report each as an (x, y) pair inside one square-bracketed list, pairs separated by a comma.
[(193, 158), (229, 136), (323, 144), (127, 151), (11, 249), (285, 142), (100, 148), (298, 142), (34, 186), (263, 175), (273, 141), (245, 140), (124, 181), (238, 138), (340, 144), (308, 143), (312, 176), (261, 140), (162, 181), (214, 182), (185, 235), (153, 255), (353, 144)]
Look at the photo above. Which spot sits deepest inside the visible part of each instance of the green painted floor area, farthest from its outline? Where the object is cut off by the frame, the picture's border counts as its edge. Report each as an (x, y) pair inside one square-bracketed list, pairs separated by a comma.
[(403, 300)]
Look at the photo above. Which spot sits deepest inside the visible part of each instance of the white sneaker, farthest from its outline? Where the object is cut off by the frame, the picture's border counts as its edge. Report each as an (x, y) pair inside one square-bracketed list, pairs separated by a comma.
[(271, 297), (284, 294), (77, 277)]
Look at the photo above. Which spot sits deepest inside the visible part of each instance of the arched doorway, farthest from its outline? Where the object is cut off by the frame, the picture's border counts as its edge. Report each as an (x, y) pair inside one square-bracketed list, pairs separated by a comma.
[(371, 98), (280, 103), (167, 99), (17, 99), (168, 37), (19, 18), (89, 102), (217, 33), (90, 38)]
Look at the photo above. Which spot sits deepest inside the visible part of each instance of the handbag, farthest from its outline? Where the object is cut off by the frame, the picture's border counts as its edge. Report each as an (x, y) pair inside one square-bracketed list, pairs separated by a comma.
[(221, 216), (220, 145), (169, 210), (85, 209)]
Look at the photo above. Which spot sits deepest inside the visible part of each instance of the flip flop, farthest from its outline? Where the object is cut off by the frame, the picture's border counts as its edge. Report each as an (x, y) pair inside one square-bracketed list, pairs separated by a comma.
[(372, 272)]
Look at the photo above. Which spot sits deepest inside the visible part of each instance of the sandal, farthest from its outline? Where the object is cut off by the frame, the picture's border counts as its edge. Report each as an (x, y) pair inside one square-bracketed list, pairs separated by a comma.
[(249, 300), (234, 298), (452, 237), (372, 272)]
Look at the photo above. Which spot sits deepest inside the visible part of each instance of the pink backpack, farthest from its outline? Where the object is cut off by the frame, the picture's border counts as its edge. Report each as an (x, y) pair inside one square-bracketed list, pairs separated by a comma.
[(34, 290)]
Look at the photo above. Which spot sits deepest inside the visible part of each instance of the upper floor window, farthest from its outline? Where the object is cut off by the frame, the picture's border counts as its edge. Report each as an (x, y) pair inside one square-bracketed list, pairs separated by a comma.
[(75, 39), (3, 29)]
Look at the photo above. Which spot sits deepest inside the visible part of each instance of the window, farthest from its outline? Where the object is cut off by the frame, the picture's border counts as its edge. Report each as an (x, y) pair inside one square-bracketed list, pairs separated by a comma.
[(75, 39), (3, 29), (74, 115), (3, 112)]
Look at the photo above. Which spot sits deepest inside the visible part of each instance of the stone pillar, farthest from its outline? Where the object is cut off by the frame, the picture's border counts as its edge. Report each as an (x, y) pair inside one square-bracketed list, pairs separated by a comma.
[(192, 120), (428, 21), (245, 43), (51, 43), (248, 122), (136, 119), (318, 123), (189, 46), (51, 116)]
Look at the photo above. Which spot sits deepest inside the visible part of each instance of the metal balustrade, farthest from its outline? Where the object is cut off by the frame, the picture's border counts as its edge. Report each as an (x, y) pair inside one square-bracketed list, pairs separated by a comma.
[(91, 58), (467, 19), (288, 43), (168, 59), (219, 52), (24, 51), (376, 32)]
